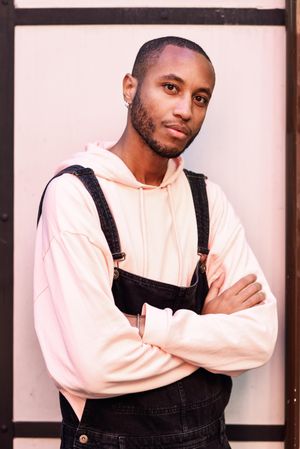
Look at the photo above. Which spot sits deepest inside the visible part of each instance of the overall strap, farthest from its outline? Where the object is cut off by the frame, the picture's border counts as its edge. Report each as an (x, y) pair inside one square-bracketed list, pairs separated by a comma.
[(108, 225), (198, 188)]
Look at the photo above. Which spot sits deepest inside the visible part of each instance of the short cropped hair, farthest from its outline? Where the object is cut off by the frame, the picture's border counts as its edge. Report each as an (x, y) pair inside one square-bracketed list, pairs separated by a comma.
[(152, 49)]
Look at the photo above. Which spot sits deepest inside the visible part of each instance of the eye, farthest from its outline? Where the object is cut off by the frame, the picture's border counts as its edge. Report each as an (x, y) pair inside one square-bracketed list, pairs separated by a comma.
[(170, 88), (200, 100)]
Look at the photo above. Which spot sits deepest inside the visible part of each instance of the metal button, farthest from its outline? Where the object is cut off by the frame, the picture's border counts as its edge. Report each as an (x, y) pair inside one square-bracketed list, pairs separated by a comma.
[(203, 268), (116, 273), (83, 439)]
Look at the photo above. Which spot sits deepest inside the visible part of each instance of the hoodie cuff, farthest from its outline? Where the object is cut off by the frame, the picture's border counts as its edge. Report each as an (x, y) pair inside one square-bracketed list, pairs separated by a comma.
[(157, 323)]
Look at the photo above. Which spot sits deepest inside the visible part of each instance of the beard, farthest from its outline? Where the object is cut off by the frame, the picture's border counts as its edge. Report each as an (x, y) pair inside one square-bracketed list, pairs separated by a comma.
[(143, 123)]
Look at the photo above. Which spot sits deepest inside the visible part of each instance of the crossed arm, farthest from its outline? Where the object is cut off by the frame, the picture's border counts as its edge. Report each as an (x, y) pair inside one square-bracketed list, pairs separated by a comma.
[(88, 345), (244, 294), (237, 328)]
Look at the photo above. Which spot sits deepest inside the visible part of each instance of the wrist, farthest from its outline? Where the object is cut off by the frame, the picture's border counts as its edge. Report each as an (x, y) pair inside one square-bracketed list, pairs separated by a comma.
[(140, 324)]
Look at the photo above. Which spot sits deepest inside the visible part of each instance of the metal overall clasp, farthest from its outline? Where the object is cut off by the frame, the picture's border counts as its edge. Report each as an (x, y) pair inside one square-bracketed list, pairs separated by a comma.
[(203, 258)]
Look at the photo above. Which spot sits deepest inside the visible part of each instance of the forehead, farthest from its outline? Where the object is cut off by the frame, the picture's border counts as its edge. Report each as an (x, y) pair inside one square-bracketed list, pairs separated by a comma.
[(185, 63)]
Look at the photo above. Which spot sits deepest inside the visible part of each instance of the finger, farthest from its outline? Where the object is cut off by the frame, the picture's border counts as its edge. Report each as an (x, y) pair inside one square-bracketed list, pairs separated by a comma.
[(241, 284), (249, 291), (215, 287), (254, 300), (219, 281)]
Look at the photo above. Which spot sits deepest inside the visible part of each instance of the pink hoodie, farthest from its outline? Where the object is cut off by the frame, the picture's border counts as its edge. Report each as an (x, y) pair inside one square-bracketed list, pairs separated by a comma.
[(90, 349)]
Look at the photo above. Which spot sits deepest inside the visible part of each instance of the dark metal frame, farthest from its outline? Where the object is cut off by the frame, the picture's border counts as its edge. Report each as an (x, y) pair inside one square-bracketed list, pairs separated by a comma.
[(292, 226), (160, 16), (9, 18), (6, 222), (235, 432)]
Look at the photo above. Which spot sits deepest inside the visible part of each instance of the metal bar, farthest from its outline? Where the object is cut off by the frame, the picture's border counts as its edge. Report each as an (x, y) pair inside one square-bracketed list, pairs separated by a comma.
[(149, 16), (235, 432), (248, 432), (6, 222), (292, 227)]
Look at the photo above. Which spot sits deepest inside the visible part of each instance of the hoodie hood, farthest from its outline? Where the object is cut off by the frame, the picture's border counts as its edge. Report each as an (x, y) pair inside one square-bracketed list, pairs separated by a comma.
[(109, 166)]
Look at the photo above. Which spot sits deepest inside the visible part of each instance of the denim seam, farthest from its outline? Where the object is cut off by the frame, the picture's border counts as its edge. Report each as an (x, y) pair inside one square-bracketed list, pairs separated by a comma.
[(158, 284)]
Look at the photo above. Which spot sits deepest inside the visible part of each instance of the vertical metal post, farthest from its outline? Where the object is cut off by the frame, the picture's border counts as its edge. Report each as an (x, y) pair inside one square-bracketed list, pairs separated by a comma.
[(292, 225), (6, 221)]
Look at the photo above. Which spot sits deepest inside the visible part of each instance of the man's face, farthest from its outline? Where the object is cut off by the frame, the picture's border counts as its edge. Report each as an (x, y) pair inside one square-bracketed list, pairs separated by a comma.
[(170, 104)]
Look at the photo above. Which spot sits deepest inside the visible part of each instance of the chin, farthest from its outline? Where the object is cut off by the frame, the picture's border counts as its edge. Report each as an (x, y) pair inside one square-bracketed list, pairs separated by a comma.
[(168, 152)]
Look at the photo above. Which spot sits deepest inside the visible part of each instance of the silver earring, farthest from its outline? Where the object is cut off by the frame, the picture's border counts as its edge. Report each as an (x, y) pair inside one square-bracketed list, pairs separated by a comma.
[(126, 104)]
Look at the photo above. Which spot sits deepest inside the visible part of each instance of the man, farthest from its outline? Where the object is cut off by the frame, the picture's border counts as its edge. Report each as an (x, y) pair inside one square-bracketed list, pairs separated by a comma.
[(141, 351)]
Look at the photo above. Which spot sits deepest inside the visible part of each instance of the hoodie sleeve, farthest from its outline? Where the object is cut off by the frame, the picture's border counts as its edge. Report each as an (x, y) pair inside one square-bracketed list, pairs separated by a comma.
[(222, 343), (89, 347)]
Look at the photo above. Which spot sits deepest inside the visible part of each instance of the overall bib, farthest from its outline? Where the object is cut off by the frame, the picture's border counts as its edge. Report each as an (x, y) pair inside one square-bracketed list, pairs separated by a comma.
[(187, 414)]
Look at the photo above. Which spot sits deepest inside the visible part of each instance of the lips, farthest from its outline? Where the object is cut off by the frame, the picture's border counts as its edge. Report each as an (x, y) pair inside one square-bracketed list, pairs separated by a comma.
[(178, 129)]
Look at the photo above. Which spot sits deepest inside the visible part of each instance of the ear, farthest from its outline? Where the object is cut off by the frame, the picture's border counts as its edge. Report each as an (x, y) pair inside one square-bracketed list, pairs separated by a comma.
[(129, 88)]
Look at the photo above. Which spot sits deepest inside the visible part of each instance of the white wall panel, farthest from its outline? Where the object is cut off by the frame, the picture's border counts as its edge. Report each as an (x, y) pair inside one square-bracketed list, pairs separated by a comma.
[(47, 443), (37, 443), (68, 92), (257, 445), (263, 4)]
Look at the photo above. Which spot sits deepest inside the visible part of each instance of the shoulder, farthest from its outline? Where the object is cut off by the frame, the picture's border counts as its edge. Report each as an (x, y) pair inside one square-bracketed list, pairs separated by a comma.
[(217, 200), (215, 195), (67, 204), (224, 222)]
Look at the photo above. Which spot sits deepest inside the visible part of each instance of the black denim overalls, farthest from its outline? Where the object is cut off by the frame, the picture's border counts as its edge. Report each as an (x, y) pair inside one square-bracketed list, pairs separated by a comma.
[(187, 414)]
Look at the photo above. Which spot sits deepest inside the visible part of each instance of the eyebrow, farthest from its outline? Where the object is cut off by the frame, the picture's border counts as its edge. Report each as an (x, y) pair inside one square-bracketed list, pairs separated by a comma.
[(172, 76)]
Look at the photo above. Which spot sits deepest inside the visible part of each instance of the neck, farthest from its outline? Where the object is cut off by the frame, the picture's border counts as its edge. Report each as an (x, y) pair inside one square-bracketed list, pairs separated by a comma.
[(147, 166)]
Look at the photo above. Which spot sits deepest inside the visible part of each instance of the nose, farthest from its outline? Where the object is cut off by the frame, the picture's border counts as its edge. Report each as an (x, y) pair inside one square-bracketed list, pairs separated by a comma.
[(183, 107)]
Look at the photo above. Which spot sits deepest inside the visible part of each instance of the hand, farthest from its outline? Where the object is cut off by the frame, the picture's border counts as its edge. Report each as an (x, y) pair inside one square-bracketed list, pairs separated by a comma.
[(243, 294), (131, 318), (134, 322)]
